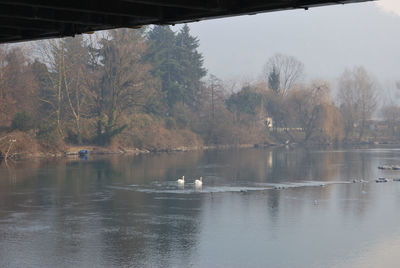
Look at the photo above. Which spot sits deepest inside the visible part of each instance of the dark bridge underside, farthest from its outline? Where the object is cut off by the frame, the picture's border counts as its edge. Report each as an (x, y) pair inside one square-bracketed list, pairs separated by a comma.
[(22, 20)]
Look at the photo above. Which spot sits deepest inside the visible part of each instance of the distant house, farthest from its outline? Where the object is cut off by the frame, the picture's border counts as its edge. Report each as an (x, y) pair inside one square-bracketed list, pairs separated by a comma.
[(374, 124), (269, 122)]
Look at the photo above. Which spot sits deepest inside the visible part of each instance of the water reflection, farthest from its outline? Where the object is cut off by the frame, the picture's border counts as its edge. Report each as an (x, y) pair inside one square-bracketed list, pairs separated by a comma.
[(130, 212)]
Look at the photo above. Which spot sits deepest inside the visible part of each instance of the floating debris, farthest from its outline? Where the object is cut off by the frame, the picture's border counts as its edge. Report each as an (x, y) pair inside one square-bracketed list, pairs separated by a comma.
[(359, 181), (387, 167), (83, 152), (381, 180)]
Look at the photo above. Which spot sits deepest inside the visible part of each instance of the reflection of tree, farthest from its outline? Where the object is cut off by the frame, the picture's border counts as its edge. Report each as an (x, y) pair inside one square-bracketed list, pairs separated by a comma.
[(89, 213), (130, 227), (357, 164), (149, 227), (141, 227), (279, 165), (273, 202), (178, 228), (144, 169), (10, 166)]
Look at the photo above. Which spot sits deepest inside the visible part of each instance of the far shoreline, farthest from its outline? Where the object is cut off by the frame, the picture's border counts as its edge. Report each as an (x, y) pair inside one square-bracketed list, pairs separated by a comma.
[(73, 150)]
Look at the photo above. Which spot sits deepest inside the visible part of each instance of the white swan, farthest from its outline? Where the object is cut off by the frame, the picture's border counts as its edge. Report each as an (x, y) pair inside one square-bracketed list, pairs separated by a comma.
[(199, 182), (181, 180)]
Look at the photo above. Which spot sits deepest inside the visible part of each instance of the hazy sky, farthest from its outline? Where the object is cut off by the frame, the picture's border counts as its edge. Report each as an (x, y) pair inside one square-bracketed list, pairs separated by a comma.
[(326, 39), (390, 5)]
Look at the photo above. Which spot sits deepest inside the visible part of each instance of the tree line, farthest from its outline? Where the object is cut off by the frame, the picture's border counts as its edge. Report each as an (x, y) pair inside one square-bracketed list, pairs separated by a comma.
[(148, 88)]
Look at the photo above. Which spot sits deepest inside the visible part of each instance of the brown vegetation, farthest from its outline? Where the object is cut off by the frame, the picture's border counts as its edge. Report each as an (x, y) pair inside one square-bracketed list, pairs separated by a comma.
[(147, 90)]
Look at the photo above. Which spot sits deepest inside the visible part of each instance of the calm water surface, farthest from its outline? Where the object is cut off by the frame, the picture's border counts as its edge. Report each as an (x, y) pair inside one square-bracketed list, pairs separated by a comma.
[(129, 211)]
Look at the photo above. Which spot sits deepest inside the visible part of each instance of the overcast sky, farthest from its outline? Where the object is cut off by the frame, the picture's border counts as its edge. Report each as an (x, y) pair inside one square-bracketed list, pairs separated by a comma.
[(326, 39), (390, 6)]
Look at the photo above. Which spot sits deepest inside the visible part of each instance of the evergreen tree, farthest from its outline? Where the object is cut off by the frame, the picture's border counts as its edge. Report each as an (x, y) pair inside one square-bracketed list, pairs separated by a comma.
[(161, 54), (191, 68), (246, 101), (274, 80), (42, 76), (177, 63)]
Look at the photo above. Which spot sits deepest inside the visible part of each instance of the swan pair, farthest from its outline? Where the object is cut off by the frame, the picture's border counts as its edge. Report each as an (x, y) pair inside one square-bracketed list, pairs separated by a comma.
[(198, 182)]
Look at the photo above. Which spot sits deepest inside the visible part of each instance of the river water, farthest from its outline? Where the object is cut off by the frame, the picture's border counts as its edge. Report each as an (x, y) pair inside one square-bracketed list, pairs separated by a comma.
[(257, 208)]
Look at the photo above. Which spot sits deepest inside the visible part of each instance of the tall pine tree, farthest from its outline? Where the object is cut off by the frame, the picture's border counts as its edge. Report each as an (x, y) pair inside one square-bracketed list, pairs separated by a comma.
[(161, 54), (191, 68), (274, 80), (177, 63)]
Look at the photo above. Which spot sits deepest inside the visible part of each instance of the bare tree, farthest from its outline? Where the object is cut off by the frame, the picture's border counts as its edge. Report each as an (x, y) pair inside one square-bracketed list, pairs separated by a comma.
[(66, 60), (213, 91), (358, 99), (122, 81), (289, 71), (18, 88), (52, 53), (330, 123), (306, 103), (391, 114), (74, 68)]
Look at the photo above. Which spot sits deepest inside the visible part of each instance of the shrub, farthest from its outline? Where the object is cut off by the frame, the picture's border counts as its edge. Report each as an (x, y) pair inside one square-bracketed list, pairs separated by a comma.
[(22, 121), (170, 123)]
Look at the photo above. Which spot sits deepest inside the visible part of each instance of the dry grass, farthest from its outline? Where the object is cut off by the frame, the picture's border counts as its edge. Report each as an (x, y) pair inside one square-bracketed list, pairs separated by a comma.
[(18, 144)]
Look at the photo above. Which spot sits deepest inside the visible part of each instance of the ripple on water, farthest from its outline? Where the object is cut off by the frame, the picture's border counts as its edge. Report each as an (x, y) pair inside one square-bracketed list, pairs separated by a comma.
[(32, 228), (174, 198), (171, 187)]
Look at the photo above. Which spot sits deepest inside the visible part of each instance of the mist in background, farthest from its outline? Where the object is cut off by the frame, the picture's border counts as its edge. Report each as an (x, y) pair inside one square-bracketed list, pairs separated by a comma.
[(326, 39)]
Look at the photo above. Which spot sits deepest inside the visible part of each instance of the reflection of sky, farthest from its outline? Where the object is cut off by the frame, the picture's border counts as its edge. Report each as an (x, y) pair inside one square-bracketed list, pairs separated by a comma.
[(95, 213), (290, 230), (382, 254)]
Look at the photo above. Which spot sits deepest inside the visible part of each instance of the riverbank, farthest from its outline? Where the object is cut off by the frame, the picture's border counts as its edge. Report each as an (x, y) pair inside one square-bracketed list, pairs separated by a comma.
[(19, 145), (100, 150), (72, 150)]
